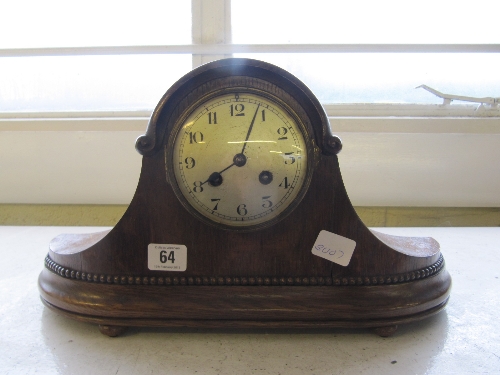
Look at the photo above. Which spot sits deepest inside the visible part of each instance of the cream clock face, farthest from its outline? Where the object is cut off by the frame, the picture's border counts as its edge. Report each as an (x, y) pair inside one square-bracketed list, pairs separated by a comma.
[(240, 160)]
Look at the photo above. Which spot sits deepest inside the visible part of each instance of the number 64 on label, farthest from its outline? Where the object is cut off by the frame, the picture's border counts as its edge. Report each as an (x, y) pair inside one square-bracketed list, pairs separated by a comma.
[(167, 257), (164, 258)]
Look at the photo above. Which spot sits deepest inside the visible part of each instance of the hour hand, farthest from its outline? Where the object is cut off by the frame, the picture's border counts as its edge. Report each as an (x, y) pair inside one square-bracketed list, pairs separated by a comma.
[(215, 178)]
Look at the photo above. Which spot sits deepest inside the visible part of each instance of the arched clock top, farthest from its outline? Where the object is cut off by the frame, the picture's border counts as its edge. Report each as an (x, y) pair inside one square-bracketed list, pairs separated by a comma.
[(150, 143)]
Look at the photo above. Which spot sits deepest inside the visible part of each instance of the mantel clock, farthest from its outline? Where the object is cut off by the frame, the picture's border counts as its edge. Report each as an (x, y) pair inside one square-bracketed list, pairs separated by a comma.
[(241, 219)]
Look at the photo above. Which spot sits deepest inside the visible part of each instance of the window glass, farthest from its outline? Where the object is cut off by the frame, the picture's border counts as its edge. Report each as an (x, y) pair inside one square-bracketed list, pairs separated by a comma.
[(62, 23), (90, 83), (87, 83), (365, 21), (377, 77), (391, 77)]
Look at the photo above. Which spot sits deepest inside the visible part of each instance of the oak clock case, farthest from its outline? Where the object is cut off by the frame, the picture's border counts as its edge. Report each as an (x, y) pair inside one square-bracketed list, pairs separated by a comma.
[(239, 177)]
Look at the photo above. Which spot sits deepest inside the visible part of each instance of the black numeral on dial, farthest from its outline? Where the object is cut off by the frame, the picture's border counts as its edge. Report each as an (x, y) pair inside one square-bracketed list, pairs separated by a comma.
[(216, 204), (242, 210), (237, 109), (290, 159), (190, 162), (266, 203), (282, 132), (212, 117), (284, 184), (196, 137), (198, 186)]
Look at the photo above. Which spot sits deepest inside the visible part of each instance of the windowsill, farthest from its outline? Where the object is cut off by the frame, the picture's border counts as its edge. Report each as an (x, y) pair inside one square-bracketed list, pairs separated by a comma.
[(108, 215), (460, 339)]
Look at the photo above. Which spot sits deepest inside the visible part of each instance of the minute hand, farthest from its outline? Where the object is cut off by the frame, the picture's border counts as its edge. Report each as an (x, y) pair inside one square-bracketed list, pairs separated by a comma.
[(250, 129)]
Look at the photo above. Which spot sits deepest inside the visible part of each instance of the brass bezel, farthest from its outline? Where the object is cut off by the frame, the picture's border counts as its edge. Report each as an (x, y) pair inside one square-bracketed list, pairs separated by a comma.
[(241, 84)]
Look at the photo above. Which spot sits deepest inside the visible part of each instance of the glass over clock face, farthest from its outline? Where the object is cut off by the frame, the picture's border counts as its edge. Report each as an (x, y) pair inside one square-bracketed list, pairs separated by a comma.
[(240, 159)]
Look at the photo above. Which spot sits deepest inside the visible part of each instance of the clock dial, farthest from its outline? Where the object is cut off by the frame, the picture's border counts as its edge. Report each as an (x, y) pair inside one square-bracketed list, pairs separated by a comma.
[(240, 159)]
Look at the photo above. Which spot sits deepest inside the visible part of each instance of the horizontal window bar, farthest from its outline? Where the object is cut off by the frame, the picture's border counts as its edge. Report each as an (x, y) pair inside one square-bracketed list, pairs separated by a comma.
[(55, 115), (226, 49), (333, 110)]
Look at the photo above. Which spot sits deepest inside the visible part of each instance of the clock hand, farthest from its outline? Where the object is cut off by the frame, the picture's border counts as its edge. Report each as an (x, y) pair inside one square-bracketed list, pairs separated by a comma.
[(215, 179), (250, 129)]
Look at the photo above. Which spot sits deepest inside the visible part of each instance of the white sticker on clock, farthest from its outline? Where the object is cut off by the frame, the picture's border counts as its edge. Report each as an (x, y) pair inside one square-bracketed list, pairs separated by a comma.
[(164, 257), (334, 248)]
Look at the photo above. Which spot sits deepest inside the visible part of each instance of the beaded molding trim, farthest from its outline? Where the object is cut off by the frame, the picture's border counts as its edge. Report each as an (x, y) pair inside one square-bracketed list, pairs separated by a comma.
[(244, 281)]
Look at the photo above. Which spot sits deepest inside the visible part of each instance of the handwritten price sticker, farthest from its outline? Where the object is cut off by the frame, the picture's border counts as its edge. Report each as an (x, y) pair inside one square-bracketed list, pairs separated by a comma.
[(335, 248)]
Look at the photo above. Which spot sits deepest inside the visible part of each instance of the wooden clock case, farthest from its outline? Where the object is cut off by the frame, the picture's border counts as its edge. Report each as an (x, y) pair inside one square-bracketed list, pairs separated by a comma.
[(260, 279)]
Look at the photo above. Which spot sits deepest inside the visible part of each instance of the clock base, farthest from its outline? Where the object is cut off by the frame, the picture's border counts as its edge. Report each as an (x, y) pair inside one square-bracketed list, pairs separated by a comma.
[(116, 307)]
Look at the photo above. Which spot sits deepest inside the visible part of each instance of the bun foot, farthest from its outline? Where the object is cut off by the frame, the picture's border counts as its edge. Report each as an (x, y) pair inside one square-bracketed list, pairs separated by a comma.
[(385, 331), (111, 331)]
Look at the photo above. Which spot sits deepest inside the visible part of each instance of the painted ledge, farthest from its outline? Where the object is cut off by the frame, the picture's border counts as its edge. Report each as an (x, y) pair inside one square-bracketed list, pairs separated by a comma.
[(108, 215)]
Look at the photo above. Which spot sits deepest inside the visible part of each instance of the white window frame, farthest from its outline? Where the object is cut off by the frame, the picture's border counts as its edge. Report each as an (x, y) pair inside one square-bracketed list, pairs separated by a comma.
[(394, 155)]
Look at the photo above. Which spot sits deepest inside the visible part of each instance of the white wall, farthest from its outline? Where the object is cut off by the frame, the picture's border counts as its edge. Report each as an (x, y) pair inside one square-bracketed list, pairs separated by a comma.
[(385, 162)]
